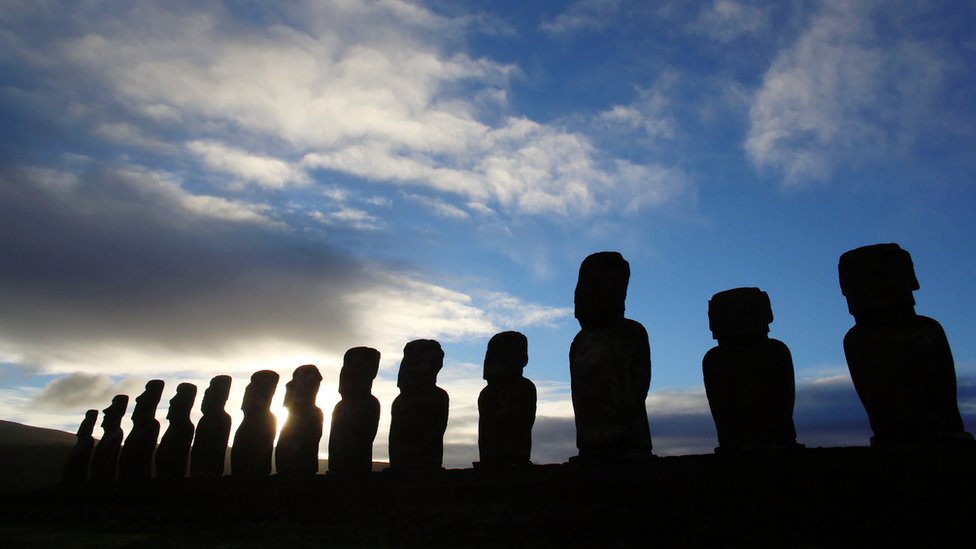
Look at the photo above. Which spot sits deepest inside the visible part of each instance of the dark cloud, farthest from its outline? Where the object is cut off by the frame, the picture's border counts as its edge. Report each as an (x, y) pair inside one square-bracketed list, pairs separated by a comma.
[(120, 255), (80, 391)]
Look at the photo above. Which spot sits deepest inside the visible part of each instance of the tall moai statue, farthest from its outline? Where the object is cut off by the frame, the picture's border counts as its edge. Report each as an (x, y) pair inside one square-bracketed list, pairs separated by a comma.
[(174, 448), (297, 453), (748, 376), (76, 467), (900, 362), (609, 366), (357, 415), (213, 431), (250, 456), (506, 407), (136, 458), (419, 412), (105, 458)]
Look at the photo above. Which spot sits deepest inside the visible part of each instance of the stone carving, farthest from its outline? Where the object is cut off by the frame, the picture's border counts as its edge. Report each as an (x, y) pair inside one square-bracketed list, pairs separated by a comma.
[(748, 376), (76, 468), (298, 446), (136, 458), (357, 415), (900, 362), (609, 365), (174, 448), (213, 431), (250, 455), (419, 412), (105, 459), (506, 407)]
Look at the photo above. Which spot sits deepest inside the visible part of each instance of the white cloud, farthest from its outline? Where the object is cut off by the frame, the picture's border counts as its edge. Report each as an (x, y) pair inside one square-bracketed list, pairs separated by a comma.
[(350, 217), (841, 93), (438, 206), (399, 104), (261, 170), (727, 20), (582, 15)]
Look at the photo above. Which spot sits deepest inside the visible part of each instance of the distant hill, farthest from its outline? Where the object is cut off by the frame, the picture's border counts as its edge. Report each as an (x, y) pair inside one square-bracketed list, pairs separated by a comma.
[(17, 433)]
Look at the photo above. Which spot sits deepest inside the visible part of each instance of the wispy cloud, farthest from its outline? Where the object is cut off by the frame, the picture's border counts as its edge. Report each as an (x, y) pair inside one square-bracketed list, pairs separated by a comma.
[(843, 93), (728, 20), (582, 15)]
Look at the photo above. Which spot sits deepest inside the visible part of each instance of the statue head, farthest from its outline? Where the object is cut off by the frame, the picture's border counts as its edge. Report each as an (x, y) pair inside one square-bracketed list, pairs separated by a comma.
[(260, 391), (359, 368), (112, 416), (301, 391), (878, 277), (215, 397), (739, 312), (422, 360), (182, 402), (601, 289), (88, 425), (506, 356), (146, 402)]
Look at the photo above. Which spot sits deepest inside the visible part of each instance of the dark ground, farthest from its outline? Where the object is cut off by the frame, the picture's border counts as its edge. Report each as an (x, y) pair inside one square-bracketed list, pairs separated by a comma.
[(834, 497)]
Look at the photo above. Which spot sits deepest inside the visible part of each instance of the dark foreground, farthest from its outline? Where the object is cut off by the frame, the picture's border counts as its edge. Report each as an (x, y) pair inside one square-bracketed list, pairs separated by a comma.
[(835, 497)]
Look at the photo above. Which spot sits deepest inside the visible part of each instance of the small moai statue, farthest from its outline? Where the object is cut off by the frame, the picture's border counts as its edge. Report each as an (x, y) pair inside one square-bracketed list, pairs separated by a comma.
[(357, 415), (418, 417), (250, 456), (76, 468), (105, 459), (297, 453), (748, 376), (174, 448), (506, 406), (900, 362), (213, 431), (136, 458), (609, 366)]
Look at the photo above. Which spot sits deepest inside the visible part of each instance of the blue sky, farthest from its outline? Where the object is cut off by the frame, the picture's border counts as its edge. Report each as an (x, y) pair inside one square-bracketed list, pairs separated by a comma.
[(197, 188)]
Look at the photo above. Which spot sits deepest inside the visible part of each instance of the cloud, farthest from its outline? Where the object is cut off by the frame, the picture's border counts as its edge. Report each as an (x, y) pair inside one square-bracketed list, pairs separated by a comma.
[(260, 170), (728, 20), (844, 92), (400, 104), (79, 390), (117, 269), (582, 15)]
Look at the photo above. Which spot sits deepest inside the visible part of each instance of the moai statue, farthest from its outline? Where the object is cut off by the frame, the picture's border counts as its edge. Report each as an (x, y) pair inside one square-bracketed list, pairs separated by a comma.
[(250, 456), (174, 448), (748, 376), (355, 417), (76, 468), (506, 407), (900, 362), (297, 453), (105, 459), (136, 458), (419, 412), (609, 366), (213, 431)]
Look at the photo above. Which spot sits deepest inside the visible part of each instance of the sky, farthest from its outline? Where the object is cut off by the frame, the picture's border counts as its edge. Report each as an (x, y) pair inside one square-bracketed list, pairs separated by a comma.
[(198, 188)]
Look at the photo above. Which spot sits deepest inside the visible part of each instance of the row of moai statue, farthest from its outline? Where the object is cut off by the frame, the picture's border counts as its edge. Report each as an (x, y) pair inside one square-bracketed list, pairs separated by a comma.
[(418, 421), (900, 364)]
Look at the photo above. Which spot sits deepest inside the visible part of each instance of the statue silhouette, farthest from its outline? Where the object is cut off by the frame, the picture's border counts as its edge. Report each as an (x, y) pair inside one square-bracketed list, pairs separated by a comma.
[(748, 376), (174, 448), (609, 366), (105, 459), (135, 460), (298, 446), (419, 412), (900, 362), (506, 407), (213, 431), (356, 416), (254, 441), (76, 467)]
